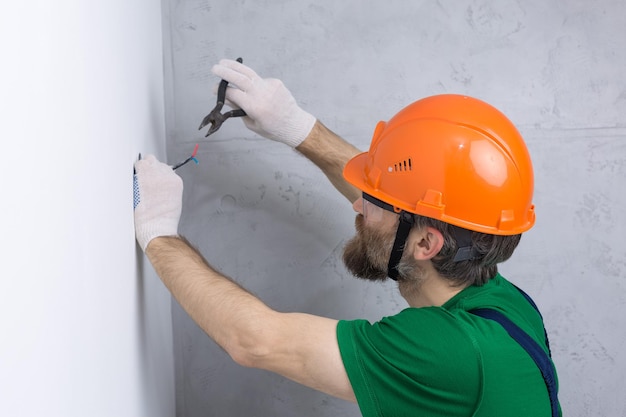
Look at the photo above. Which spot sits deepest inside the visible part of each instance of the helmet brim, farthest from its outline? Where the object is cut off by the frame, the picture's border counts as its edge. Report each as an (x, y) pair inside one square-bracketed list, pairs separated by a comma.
[(354, 172)]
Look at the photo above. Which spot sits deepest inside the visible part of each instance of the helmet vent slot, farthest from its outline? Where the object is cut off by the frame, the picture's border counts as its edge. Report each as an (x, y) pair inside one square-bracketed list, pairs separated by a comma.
[(402, 166)]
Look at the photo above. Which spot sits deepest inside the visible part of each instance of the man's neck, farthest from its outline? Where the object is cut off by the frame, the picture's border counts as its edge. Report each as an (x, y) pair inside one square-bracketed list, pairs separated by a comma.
[(431, 291)]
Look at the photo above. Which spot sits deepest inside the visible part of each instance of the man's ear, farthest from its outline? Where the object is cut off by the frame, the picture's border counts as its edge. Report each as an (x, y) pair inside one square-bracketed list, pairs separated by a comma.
[(427, 243)]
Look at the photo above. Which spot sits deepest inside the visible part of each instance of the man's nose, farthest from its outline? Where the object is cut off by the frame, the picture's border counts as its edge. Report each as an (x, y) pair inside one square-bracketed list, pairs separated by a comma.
[(358, 205)]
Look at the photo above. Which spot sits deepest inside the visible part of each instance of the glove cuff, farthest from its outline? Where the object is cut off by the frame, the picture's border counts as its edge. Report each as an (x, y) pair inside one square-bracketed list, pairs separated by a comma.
[(157, 228), (297, 128)]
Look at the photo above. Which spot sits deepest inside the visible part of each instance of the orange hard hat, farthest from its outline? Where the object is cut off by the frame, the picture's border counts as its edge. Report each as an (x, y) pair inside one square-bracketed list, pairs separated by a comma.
[(452, 158)]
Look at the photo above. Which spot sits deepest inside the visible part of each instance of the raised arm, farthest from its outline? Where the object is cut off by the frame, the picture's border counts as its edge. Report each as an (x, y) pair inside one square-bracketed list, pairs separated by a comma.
[(330, 153), (301, 347), (273, 113)]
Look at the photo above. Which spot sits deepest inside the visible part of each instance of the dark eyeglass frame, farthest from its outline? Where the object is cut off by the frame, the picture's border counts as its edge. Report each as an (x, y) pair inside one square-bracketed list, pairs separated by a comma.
[(379, 203)]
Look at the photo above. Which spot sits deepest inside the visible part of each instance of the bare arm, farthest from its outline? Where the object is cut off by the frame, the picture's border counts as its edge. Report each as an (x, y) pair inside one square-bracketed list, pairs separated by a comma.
[(330, 153), (301, 347)]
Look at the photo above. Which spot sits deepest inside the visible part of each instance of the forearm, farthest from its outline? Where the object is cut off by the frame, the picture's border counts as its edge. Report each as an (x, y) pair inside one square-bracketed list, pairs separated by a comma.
[(230, 315), (298, 346), (330, 153)]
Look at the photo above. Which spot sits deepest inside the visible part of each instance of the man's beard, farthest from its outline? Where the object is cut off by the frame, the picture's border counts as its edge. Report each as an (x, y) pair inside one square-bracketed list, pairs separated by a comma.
[(366, 255)]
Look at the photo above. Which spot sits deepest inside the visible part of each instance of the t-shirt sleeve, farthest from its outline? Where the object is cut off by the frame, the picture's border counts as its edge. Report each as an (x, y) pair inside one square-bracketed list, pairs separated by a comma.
[(418, 362)]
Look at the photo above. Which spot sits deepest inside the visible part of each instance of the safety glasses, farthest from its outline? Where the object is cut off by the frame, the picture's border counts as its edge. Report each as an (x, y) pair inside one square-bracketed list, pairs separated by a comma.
[(373, 208)]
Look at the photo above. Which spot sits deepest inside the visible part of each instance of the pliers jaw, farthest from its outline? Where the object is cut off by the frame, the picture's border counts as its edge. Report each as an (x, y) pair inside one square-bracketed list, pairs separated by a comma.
[(214, 128), (216, 118)]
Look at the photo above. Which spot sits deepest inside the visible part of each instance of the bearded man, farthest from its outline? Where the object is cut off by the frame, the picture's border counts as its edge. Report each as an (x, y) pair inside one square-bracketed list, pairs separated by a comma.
[(442, 197)]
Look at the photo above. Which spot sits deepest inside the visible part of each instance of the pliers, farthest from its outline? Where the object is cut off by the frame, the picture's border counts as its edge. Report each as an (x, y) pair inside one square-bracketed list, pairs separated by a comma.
[(216, 118)]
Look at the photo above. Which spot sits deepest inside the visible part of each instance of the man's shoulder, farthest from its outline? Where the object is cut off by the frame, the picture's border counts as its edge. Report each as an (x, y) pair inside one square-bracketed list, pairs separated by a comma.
[(415, 330)]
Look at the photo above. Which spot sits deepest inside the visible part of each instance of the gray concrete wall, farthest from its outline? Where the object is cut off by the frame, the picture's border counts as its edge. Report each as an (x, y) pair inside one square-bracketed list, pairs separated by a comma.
[(264, 215)]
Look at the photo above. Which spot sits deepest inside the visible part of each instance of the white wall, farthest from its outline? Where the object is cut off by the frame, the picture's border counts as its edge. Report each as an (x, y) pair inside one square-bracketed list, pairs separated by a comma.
[(263, 214), (85, 325)]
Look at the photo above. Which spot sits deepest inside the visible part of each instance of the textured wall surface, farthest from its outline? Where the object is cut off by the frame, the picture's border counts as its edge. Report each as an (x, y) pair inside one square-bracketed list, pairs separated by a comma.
[(264, 215), (85, 324)]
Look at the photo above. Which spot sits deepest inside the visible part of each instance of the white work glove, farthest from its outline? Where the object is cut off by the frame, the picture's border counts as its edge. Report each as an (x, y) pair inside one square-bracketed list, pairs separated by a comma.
[(157, 200), (271, 110)]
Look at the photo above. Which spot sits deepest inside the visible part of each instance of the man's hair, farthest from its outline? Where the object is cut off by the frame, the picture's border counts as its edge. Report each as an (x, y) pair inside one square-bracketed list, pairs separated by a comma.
[(490, 251)]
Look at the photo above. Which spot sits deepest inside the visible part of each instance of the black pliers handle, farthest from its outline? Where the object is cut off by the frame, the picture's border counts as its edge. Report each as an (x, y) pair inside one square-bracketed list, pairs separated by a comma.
[(216, 117)]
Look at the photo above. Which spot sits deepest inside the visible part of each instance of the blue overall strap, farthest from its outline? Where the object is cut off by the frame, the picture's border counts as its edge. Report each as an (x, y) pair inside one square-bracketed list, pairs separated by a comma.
[(535, 351), (532, 303)]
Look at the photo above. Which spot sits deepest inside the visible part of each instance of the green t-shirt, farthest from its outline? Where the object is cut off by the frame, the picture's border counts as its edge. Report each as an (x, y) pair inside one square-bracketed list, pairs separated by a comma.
[(444, 361)]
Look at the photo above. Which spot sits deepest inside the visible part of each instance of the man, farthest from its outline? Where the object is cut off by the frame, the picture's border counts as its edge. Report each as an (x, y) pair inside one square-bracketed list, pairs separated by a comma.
[(442, 197)]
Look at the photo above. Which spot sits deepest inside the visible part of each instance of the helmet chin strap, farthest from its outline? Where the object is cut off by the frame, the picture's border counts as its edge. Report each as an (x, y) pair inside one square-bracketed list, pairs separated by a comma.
[(404, 227), (466, 251)]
